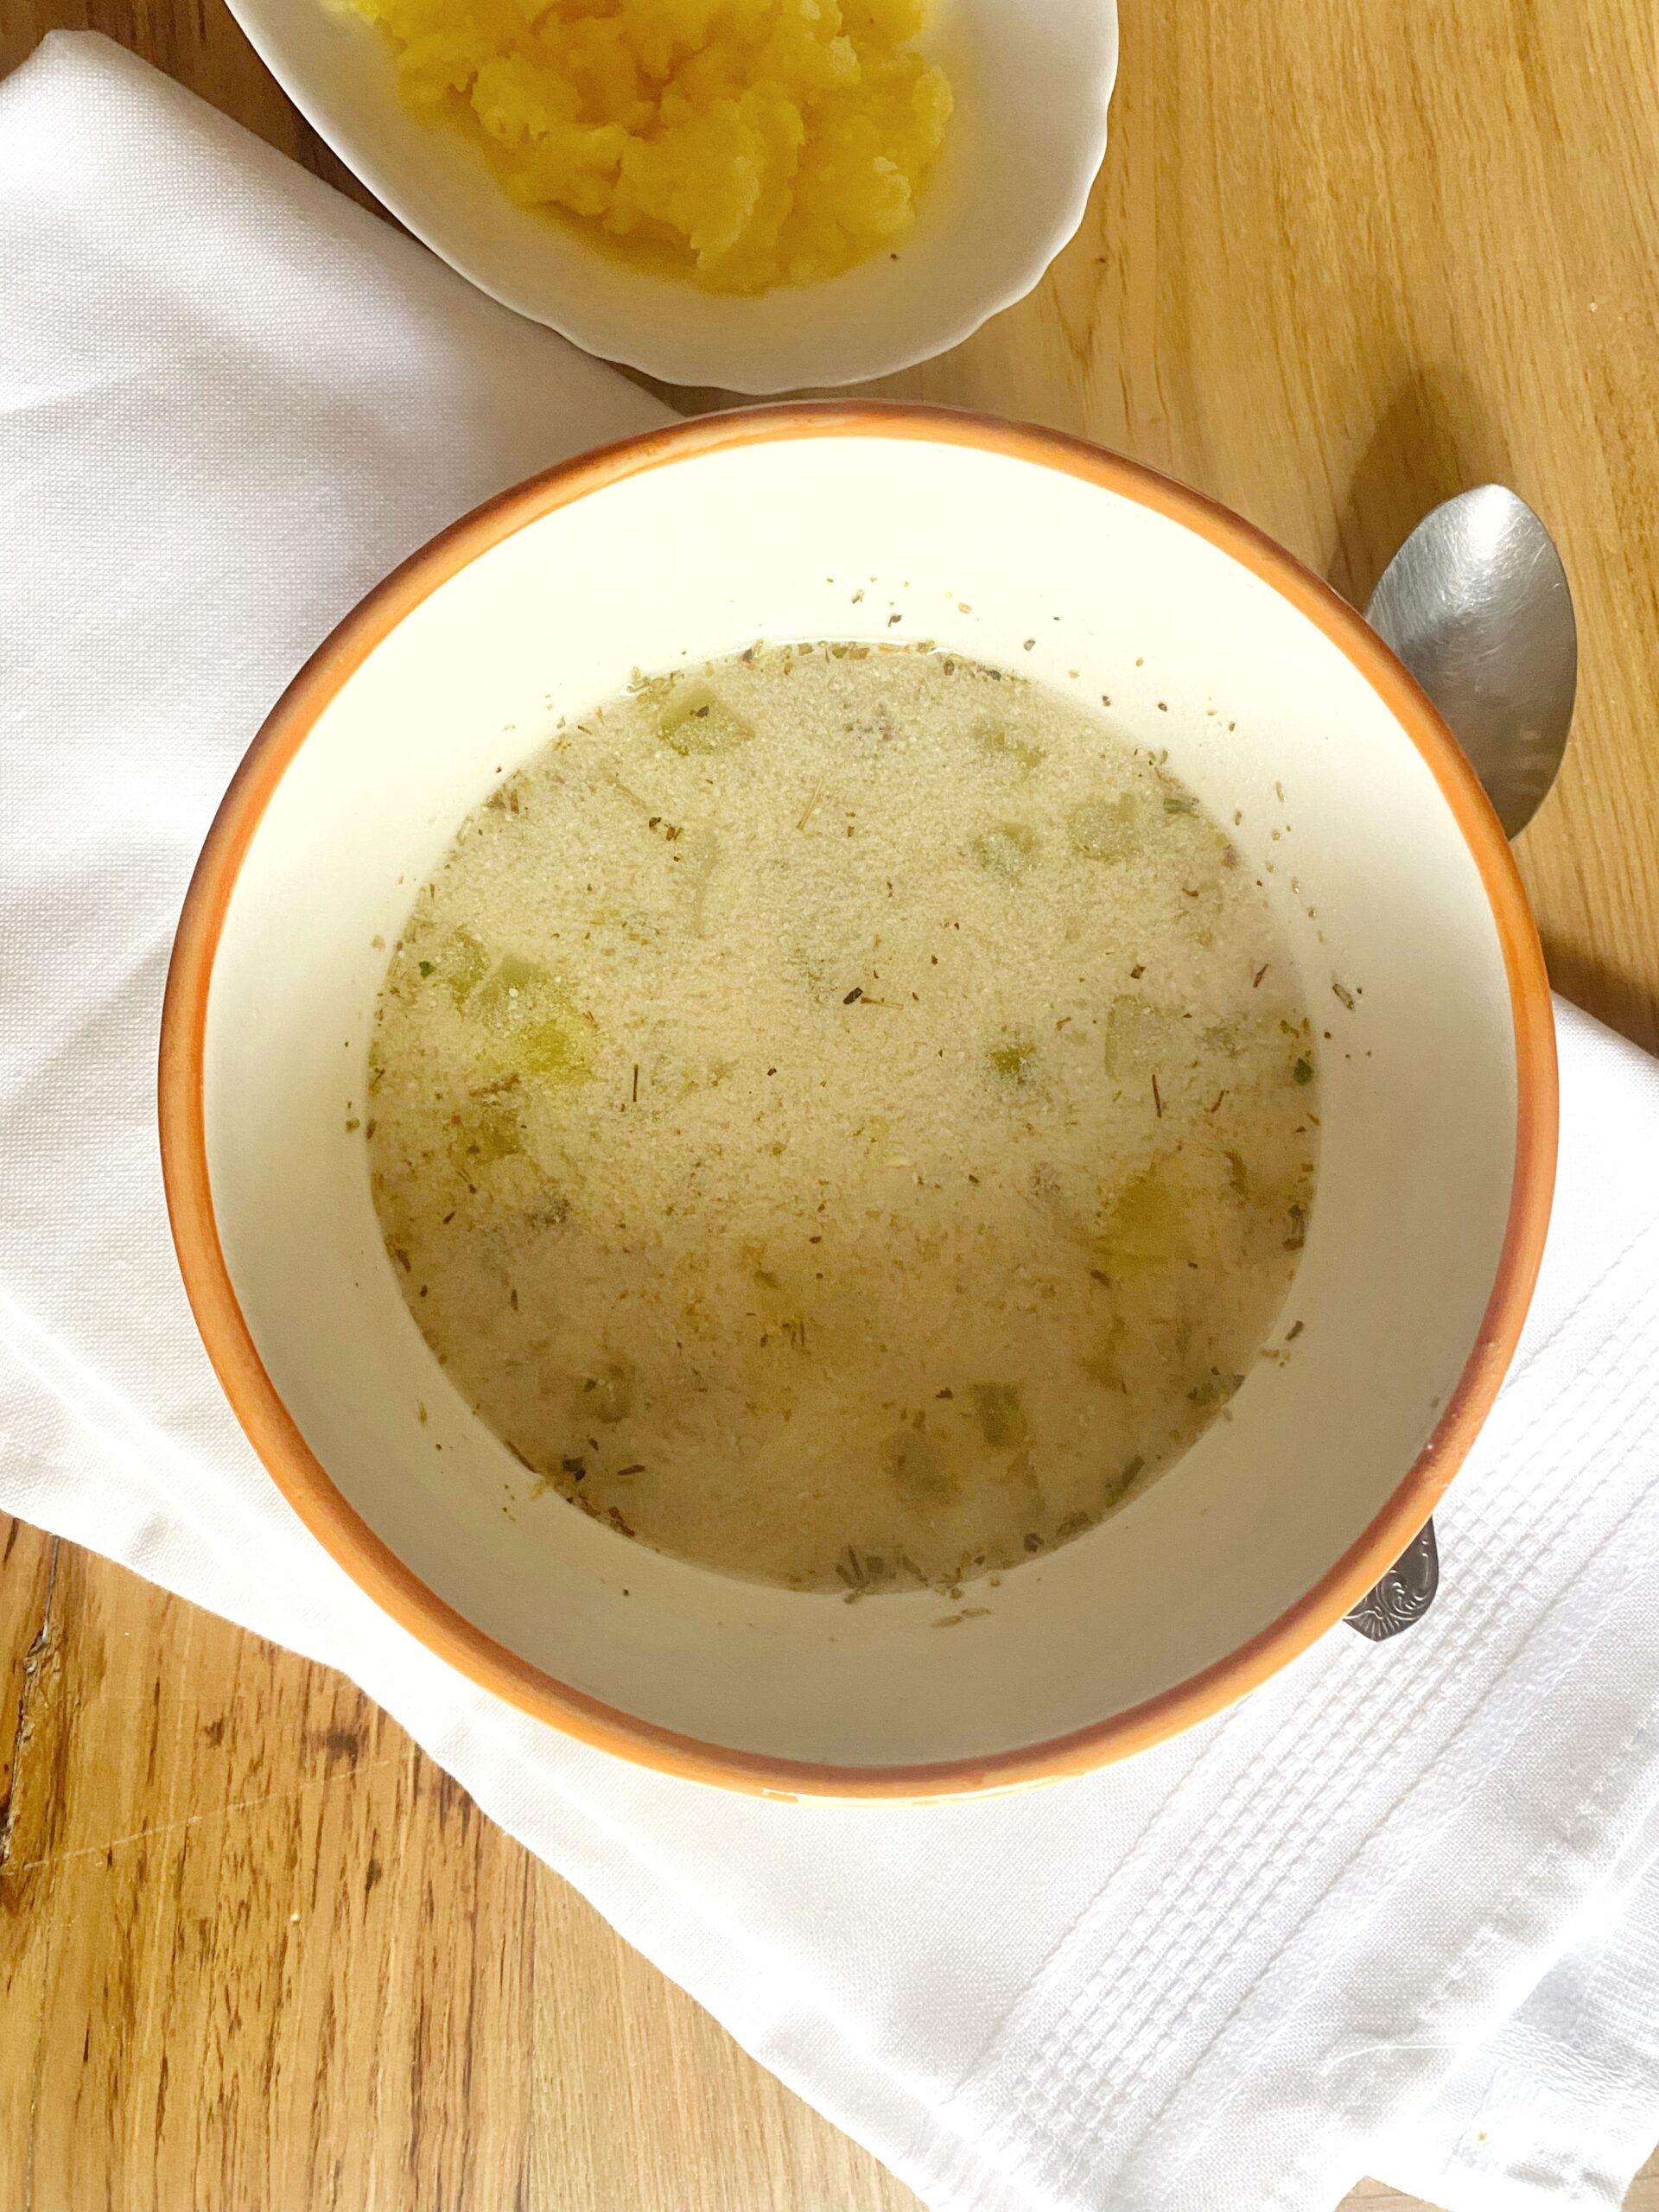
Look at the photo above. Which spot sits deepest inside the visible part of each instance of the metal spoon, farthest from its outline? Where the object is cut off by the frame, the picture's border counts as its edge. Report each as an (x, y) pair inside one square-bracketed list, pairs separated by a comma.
[(1476, 604)]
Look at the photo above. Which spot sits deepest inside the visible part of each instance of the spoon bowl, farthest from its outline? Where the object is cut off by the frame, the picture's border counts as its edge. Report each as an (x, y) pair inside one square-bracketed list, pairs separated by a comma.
[(1476, 603)]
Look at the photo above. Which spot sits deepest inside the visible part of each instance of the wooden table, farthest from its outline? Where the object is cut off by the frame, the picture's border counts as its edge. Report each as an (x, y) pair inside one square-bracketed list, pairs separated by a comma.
[(257, 1953)]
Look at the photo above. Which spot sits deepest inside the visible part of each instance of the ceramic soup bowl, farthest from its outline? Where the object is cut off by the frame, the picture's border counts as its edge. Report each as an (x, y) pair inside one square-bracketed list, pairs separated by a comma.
[(1419, 959)]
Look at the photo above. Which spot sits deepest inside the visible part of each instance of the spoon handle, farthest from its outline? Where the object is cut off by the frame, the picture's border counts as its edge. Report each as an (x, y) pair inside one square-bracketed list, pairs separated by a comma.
[(1405, 1592)]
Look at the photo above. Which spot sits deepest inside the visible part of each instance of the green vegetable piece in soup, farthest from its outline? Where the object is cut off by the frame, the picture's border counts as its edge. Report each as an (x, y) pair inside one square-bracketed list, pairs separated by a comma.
[(917, 1465), (607, 1393), (1143, 1226), (1118, 1486), (695, 719), (486, 1132), (992, 738), (1008, 849), (1103, 828), (1143, 1039), (460, 963), (1013, 1062), (1001, 1415), (534, 1024)]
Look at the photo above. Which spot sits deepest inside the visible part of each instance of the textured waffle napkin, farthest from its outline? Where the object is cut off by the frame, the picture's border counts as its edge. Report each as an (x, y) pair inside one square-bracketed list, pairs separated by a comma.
[(1396, 1913)]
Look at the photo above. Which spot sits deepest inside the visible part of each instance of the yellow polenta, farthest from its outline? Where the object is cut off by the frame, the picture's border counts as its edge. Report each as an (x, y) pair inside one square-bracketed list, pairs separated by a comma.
[(761, 141)]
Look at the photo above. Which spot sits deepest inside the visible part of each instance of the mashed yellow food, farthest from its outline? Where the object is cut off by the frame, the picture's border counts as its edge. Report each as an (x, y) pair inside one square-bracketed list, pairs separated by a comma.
[(760, 141)]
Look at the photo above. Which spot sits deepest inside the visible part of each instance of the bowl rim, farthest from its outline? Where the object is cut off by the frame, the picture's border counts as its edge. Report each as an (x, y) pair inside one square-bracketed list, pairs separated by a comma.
[(369, 1560), (691, 362)]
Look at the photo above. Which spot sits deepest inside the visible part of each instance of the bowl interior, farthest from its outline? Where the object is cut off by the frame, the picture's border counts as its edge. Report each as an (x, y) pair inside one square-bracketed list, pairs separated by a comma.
[(770, 533), (1029, 132)]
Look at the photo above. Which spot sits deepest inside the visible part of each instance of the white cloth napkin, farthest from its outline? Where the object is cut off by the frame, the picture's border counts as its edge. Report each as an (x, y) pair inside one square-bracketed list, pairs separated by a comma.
[(1398, 1912)]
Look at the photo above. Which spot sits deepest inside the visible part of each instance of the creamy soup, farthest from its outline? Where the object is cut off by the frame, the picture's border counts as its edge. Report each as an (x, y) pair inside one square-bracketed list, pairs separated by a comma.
[(843, 1116)]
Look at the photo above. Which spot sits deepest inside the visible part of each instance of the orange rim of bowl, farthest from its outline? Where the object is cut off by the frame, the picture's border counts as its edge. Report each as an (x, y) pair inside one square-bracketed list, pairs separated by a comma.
[(348, 1536)]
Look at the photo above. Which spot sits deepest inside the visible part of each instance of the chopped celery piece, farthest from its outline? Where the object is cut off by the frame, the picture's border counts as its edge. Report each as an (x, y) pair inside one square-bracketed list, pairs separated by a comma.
[(533, 1023), (1143, 1226), (486, 1131), (459, 962), (1013, 1062), (1103, 828), (1008, 849), (917, 1465), (607, 1393), (992, 738), (695, 719), (1001, 1415)]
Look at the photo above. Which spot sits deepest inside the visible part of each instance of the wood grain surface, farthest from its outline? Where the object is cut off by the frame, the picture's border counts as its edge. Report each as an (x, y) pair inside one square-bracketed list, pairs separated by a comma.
[(257, 1953)]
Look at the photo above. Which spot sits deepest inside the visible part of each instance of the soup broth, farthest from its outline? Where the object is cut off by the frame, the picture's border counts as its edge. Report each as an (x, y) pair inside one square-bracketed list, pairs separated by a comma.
[(843, 1116)]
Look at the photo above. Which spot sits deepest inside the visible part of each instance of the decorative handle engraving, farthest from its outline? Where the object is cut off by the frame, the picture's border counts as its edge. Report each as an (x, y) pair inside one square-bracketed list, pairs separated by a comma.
[(1405, 1592)]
